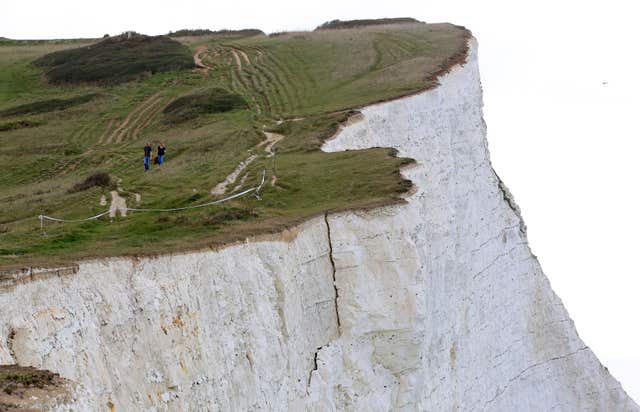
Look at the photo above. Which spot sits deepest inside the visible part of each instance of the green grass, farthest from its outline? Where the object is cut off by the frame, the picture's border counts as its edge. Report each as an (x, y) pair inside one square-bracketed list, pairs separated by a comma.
[(302, 85)]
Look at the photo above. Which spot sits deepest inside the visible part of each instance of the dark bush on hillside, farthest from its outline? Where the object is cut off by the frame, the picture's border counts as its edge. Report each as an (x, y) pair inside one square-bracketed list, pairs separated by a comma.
[(99, 179), (239, 33), (210, 101), (20, 124), (207, 32), (116, 59), (227, 215), (190, 32), (44, 106), (350, 24)]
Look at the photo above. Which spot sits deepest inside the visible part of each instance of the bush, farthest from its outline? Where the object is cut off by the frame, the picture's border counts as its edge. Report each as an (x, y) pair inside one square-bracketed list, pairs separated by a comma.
[(20, 124), (99, 179), (227, 215), (116, 59), (44, 106), (350, 24), (222, 33), (215, 100)]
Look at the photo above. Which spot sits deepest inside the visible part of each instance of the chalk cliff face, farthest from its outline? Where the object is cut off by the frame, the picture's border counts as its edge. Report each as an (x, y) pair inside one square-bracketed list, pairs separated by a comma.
[(436, 304)]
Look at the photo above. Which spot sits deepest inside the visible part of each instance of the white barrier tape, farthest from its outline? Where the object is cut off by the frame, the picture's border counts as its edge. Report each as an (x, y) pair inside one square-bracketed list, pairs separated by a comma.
[(256, 191), (175, 209), (54, 219)]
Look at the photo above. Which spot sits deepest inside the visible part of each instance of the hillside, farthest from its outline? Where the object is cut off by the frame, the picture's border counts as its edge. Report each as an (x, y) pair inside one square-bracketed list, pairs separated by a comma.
[(297, 87)]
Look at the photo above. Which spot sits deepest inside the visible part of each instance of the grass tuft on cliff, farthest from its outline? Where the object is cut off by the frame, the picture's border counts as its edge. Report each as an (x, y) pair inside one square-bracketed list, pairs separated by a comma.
[(302, 85)]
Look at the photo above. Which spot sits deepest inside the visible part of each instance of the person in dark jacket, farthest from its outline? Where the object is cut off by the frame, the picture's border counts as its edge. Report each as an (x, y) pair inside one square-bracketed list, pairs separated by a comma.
[(161, 150), (147, 156)]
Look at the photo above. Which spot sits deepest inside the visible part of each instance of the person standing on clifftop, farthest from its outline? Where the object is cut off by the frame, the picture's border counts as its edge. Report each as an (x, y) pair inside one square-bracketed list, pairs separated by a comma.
[(161, 150), (147, 157)]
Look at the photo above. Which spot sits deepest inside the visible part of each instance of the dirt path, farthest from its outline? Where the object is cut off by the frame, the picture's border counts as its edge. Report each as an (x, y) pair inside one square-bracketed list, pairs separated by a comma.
[(221, 187), (239, 185), (146, 120), (258, 109), (140, 120), (103, 138), (132, 118), (244, 56), (236, 57), (270, 142), (199, 60)]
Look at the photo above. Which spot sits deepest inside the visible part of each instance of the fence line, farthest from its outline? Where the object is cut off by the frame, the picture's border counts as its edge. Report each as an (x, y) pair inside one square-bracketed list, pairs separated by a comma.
[(255, 190)]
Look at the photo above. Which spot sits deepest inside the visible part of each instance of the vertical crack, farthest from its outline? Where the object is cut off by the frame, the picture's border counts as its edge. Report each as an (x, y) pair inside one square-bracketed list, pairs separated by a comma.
[(315, 365), (333, 267)]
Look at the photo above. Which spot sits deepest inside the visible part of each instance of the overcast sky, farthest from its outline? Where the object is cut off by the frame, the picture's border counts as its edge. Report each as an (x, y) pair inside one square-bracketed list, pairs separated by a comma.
[(561, 102)]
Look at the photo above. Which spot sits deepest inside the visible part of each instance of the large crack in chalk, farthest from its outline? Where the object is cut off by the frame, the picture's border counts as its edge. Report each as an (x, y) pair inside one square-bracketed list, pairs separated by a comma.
[(315, 366), (333, 269), (335, 300)]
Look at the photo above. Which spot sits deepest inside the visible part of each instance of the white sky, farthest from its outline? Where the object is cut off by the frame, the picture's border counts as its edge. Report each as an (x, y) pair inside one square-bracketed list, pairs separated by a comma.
[(566, 144)]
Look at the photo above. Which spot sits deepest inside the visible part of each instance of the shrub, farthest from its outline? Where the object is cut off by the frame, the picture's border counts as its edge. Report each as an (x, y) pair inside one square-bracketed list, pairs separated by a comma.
[(350, 24), (20, 124), (222, 33), (215, 100), (227, 215), (99, 179), (44, 106), (116, 59)]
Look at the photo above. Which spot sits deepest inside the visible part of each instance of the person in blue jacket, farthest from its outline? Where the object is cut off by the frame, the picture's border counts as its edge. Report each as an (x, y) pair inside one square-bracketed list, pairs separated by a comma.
[(147, 156), (161, 150)]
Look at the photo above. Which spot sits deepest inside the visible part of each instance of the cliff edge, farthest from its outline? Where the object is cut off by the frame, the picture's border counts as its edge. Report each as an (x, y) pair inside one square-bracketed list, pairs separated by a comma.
[(434, 304)]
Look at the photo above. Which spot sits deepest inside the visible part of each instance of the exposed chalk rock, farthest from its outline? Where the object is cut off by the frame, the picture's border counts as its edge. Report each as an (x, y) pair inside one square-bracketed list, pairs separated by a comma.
[(436, 304), (118, 205), (445, 288)]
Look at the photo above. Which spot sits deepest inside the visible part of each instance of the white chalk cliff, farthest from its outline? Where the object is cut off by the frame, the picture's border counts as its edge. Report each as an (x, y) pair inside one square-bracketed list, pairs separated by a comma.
[(435, 304)]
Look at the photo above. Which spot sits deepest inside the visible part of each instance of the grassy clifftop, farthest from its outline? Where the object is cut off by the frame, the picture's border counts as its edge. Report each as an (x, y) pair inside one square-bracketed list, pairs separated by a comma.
[(301, 85)]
